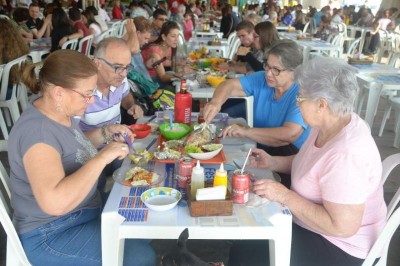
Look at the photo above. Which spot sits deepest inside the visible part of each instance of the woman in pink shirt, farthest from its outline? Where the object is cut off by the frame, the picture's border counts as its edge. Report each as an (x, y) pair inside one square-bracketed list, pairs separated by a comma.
[(336, 196)]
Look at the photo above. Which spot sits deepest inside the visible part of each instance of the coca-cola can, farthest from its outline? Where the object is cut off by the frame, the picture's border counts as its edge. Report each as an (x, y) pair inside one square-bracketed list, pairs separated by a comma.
[(240, 187), (185, 167)]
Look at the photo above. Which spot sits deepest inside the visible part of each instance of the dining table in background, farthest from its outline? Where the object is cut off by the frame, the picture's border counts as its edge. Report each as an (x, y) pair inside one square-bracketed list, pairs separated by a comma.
[(373, 84), (312, 47), (38, 48), (125, 217), (220, 47)]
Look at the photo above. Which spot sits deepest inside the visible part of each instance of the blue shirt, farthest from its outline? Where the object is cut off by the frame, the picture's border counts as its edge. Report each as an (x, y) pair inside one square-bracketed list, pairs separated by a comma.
[(138, 64), (269, 112)]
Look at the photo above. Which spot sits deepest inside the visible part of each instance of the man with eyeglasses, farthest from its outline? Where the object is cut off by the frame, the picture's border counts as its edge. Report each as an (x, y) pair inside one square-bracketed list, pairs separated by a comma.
[(113, 59), (160, 16), (279, 128)]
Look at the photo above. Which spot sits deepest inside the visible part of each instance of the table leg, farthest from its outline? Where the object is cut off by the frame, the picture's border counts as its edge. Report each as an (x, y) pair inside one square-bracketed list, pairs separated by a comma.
[(362, 41), (374, 94), (249, 110), (112, 247), (280, 247)]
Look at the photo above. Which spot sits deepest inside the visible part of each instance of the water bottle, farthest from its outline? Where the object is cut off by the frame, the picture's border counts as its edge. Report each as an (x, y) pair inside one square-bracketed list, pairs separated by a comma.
[(183, 105)]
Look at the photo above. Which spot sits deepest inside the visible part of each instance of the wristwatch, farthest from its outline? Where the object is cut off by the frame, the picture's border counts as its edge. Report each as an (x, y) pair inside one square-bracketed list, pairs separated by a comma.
[(106, 137)]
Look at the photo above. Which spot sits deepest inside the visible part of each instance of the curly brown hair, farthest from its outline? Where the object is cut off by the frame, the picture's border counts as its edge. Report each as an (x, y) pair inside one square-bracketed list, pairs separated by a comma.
[(12, 45)]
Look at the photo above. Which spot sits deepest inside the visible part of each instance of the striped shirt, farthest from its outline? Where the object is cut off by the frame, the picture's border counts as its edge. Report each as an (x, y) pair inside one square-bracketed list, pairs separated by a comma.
[(105, 111)]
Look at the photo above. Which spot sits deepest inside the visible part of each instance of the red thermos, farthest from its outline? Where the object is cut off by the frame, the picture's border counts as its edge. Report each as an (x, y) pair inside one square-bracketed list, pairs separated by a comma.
[(183, 105)]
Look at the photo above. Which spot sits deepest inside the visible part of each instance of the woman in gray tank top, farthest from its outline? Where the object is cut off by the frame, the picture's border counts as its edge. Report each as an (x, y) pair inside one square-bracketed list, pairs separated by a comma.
[(54, 168)]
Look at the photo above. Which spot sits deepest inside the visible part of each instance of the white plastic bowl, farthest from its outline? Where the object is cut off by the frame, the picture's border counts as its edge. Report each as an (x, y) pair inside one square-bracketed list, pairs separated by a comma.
[(161, 198), (205, 155)]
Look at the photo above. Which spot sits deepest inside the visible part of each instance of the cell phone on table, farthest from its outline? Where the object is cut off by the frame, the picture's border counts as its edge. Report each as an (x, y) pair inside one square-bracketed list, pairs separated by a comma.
[(158, 62)]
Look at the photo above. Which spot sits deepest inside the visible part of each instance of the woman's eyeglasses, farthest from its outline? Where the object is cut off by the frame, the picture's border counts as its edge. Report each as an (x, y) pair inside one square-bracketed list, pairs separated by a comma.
[(275, 71), (87, 97), (300, 99), (117, 69)]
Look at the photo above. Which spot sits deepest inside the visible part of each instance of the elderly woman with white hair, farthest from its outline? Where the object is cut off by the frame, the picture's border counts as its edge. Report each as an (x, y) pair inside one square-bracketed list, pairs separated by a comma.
[(336, 196)]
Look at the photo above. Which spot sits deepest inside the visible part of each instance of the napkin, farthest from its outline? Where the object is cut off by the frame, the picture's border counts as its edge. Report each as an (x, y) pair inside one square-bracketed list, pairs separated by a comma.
[(211, 193), (256, 201)]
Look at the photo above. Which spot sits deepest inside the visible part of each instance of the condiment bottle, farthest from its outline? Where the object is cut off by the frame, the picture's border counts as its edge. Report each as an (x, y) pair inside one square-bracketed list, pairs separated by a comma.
[(197, 180), (183, 105), (200, 119), (221, 177)]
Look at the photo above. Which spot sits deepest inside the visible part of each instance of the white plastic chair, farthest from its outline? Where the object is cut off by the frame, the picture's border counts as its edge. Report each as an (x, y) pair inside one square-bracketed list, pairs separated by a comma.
[(305, 29), (354, 48), (231, 38), (233, 49), (122, 28), (382, 243), (4, 17), (71, 44), (346, 38), (18, 95), (107, 33), (392, 217), (15, 252), (394, 103), (116, 26), (88, 40)]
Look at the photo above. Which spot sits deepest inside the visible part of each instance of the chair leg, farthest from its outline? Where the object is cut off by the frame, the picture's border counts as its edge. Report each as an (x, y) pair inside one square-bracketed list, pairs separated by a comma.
[(385, 117)]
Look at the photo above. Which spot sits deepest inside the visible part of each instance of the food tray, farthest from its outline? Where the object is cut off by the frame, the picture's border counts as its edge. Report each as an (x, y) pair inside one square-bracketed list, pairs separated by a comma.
[(210, 207), (218, 159), (365, 61)]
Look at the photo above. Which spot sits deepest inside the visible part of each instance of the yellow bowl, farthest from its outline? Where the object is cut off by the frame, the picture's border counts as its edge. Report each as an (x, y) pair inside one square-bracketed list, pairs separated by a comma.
[(215, 80)]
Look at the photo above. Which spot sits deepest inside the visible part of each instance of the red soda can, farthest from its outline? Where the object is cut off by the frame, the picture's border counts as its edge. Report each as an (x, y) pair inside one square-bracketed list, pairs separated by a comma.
[(240, 187), (185, 167)]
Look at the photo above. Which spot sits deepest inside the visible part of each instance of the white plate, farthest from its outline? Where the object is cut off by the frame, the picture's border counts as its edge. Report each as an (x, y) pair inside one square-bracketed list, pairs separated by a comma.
[(119, 175), (161, 198), (205, 155)]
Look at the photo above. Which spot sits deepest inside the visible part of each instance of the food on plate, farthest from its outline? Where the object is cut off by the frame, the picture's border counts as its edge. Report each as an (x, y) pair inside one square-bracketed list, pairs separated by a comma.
[(211, 147), (138, 176), (148, 156), (199, 137), (167, 154), (215, 80), (173, 144), (193, 149)]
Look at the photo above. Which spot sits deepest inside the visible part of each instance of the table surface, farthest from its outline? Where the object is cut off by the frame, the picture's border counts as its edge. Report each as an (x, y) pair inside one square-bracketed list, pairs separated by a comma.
[(270, 221)]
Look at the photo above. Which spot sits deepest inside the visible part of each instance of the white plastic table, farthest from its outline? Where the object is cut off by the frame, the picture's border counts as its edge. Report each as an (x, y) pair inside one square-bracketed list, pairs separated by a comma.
[(272, 221), (38, 48), (374, 83)]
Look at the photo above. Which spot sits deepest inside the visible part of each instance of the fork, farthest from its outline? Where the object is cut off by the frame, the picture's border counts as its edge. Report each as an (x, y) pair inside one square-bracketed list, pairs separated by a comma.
[(132, 150)]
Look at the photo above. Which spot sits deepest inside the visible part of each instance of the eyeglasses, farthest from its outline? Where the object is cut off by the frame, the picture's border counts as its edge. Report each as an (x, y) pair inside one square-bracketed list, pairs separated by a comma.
[(117, 69), (300, 99), (275, 71), (87, 97)]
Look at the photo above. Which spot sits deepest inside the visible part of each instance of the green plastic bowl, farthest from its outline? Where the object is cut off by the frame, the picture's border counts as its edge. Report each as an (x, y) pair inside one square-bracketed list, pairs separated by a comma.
[(174, 134)]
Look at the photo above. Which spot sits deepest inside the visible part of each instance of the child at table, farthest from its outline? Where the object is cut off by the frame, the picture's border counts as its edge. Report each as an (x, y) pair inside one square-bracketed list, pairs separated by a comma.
[(188, 25)]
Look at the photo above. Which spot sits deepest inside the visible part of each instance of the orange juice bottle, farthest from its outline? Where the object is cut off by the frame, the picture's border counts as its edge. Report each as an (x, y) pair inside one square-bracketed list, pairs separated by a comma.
[(221, 177)]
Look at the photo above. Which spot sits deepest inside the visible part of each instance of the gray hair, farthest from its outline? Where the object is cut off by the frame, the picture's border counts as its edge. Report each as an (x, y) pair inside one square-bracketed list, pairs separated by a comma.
[(288, 52), (102, 46), (329, 78)]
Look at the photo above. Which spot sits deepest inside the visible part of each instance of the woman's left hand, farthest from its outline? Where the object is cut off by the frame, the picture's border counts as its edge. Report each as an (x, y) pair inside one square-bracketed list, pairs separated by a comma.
[(270, 189), (235, 131), (118, 130)]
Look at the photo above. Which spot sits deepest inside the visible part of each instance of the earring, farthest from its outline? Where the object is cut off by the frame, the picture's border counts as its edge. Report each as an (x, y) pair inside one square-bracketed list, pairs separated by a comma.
[(319, 111)]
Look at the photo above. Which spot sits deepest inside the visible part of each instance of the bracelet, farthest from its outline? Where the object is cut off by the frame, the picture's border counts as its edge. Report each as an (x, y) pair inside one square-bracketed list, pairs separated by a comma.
[(106, 137)]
